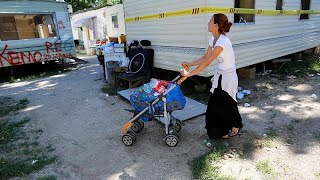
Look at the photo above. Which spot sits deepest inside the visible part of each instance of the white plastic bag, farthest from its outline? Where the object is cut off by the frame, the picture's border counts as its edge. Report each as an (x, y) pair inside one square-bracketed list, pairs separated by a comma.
[(124, 61), (107, 49)]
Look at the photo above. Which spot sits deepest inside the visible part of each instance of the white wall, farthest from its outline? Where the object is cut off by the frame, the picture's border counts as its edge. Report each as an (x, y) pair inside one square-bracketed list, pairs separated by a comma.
[(185, 38), (98, 13), (115, 10), (103, 16)]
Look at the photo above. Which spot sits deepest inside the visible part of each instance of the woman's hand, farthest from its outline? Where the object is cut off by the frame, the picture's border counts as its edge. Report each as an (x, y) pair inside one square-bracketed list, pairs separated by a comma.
[(184, 73), (186, 64)]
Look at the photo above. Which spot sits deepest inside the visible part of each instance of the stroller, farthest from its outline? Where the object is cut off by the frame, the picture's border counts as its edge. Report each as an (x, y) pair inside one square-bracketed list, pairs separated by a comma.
[(160, 107)]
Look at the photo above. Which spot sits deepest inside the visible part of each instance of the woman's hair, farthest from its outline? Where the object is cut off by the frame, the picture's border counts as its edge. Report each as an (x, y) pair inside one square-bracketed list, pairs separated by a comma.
[(223, 23)]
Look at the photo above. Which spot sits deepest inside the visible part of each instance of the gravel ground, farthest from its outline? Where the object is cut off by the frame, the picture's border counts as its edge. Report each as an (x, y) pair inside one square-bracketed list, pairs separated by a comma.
[(84, 126)]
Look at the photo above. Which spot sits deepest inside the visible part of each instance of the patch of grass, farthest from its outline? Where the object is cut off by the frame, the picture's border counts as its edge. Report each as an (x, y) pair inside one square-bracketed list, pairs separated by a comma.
[(310, 64), (50, 147), (247, 149), (271, 132), (273, 115), (296, 121), (39, 131), (317, 136), (265, 143), (265, 168), (204, 167), (290, 127), (50, 177), (5, 107), (22, 103), (8, 104), (289, 141), (20, 157), (12, 167), (112, 90), (20, 152), (8, 131)]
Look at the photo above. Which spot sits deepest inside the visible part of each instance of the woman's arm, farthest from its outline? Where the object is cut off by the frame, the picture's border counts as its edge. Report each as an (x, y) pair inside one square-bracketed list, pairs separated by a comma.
[(204, 61)]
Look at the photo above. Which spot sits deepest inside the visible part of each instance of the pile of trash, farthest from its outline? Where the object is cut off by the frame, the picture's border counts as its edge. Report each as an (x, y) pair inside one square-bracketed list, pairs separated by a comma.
[(145, 94), (150, 90), (242, 93)]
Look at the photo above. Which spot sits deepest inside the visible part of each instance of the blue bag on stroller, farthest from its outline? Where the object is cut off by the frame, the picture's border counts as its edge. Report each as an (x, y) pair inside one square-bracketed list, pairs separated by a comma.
[(140, 99)]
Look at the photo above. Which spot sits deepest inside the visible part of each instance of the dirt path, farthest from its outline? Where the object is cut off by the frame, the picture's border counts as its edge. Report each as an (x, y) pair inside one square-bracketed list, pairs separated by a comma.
[(282, 131), (84, 126)]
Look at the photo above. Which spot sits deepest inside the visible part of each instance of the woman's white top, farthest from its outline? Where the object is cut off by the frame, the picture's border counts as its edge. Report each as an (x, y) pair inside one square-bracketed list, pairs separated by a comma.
[(226, 67)]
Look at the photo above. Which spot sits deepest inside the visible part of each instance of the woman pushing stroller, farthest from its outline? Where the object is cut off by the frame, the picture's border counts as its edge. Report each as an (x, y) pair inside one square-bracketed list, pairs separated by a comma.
[(222, 116)]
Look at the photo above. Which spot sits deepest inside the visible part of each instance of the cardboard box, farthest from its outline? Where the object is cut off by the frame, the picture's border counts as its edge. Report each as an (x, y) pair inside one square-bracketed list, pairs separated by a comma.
[(247, 73), (120, 69)]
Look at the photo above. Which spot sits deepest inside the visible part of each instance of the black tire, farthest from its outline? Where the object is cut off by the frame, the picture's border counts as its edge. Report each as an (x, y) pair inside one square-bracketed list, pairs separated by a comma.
[(171, 140), (136, 127), (141, 123), (178, 125), (133, 134), (128, 139)]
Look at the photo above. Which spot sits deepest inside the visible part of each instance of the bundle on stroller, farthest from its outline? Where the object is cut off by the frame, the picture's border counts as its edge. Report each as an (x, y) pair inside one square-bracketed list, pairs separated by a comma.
[(155, 100)]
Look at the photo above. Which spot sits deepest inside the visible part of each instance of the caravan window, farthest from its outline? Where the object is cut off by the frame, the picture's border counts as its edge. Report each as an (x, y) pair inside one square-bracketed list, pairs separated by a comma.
[(114, 19), (279, 5), (305, 5), (248, 4), (26, 26)]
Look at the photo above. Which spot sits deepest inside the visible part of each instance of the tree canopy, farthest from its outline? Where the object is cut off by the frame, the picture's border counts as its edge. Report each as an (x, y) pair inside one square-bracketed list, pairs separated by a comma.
[(85, 4)]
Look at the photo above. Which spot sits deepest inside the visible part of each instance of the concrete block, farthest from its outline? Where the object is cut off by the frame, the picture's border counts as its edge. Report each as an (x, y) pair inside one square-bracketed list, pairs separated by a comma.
[(247, 73)]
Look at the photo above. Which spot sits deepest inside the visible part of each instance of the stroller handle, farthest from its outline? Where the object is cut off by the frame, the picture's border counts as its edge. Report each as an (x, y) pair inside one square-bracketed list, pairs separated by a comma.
[(183, 78)]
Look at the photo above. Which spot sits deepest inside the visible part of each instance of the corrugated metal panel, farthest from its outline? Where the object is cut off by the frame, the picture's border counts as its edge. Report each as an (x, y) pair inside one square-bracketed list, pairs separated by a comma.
[(267, 38), (38, 49), (143, 7)]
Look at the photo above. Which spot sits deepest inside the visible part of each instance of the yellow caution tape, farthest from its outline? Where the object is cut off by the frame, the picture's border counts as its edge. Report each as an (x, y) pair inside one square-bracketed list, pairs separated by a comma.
[(211, 10)]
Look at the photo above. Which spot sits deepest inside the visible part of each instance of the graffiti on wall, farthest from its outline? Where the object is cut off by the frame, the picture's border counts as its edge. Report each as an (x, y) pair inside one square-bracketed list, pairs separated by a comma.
[(60, 25), (53, 50)]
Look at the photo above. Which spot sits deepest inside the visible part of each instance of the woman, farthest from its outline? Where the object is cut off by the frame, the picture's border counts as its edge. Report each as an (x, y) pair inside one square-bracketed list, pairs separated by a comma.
[(222, 116)]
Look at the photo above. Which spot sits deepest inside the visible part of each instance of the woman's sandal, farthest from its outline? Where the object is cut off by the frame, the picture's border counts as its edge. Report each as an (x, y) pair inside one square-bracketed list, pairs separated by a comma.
[(226, 136), (233, 133)]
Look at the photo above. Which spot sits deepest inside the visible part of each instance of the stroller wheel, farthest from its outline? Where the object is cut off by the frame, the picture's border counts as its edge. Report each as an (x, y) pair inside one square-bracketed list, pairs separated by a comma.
[(141, 123), (136, 127), (177, 125), (129, 138), (171, 140), (133, 134)]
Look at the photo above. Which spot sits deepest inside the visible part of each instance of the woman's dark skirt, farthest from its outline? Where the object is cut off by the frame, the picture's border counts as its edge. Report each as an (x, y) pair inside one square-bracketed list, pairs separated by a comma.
[(222, 113)]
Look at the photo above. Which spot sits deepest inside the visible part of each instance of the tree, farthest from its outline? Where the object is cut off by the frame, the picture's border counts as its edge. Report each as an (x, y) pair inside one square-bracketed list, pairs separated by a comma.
[(80, 4), (84, 4)]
